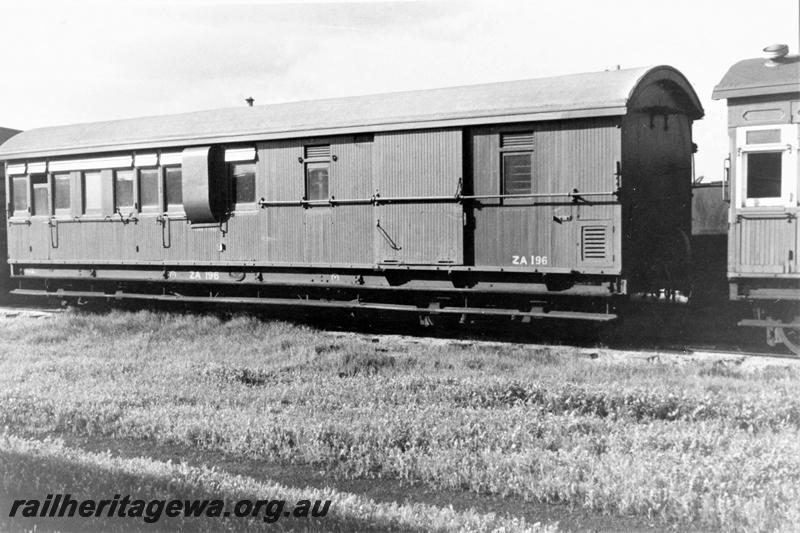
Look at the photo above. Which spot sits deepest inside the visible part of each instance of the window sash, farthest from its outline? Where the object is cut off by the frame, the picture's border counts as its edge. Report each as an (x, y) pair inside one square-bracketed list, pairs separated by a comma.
[(62, 189), (41, 196), (243, 182), (173, 188), (19, 191), (149, 189), (787, 148), (317, 181), (92, 190), (124, 190)]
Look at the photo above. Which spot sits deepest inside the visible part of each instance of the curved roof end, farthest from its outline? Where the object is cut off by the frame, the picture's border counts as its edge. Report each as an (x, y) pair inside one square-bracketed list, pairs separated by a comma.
[(675, 84)]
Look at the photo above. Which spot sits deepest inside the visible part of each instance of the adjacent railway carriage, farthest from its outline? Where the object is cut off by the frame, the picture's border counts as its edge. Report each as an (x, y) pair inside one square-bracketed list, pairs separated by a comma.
[(5, 133), (763, 240), (542, 198)]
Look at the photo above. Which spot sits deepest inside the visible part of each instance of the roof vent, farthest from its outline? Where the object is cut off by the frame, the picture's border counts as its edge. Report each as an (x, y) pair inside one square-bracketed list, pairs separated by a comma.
[(775, 53)]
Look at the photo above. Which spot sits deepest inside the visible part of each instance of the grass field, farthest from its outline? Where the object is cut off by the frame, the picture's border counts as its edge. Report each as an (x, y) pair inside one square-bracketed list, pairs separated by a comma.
[(697, 446)]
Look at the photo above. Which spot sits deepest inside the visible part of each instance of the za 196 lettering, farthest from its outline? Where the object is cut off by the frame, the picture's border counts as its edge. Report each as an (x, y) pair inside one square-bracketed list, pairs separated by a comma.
[(204, 276), (536, 260)]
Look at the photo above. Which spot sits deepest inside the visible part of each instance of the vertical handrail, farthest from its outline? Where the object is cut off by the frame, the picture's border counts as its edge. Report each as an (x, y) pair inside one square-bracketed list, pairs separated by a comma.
[(53, 224), (166, 236)]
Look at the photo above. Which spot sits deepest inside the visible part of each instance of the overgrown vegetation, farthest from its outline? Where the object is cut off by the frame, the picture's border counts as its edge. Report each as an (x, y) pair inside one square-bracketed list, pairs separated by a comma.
[(695, 446)]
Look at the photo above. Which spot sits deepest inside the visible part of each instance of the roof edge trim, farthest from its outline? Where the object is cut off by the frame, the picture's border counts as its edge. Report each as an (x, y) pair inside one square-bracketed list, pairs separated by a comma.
[(254, 136)]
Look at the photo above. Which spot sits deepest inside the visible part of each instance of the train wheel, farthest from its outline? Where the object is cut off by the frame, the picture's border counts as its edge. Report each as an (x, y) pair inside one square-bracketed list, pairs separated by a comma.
[(790, 337)]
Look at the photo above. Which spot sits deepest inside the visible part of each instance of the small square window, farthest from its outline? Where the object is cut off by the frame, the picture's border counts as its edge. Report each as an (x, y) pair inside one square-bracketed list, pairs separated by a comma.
[(317, 181), (20, 194), (92, 193), (173, 188), (243, 182), (148, 187)]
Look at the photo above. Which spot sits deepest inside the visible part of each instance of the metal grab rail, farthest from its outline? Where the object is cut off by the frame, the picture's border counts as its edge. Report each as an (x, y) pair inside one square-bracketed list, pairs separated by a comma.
[(116, 218), (766, 216), (576, 196)]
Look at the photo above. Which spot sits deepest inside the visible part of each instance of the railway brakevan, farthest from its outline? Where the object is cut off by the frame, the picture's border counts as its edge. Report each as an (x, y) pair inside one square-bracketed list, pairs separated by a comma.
[(551, 197)]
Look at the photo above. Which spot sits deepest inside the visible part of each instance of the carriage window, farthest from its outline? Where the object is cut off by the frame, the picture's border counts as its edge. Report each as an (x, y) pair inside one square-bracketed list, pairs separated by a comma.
[(517, 173), (766, 169), (173, 188), (92, 193), (317, 181), (20, 192), (61, 193), (317, 165), (123, 189), (148, 187), (764, 174), (41, 195), (243, 182)]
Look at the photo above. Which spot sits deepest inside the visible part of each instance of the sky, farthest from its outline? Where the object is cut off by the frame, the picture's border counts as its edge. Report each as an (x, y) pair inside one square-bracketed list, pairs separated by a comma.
[(68, 61)]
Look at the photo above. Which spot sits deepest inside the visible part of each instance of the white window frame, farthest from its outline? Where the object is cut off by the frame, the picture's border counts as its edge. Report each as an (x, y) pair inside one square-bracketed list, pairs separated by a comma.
[(788, 149)]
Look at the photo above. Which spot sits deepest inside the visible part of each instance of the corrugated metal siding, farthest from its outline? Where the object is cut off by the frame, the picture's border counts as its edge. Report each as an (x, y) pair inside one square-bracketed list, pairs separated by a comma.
[(578, 154), (244, 239), (353, 235), (765, 246), (338, 235), (192, 244), (151, 237), (318, 235), (419, 233), (351, 173), (284, 174), (419, 163), (351, 178), (284, 234)]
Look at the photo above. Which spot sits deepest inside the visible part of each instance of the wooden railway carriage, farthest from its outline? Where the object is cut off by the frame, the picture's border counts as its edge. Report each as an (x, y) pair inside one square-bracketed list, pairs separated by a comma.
[(763, 240), (5, 133), (538, 198)]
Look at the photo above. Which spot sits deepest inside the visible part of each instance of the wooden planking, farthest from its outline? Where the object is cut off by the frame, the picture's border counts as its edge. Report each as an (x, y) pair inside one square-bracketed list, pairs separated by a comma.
[(39, 234), (765, 246), (18, 241)]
